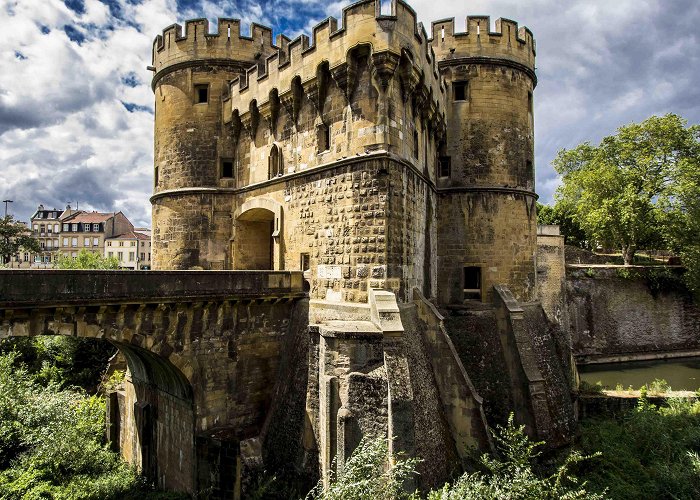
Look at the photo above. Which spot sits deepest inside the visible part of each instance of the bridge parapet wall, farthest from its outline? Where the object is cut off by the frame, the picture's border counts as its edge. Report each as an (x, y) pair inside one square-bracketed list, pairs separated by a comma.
[(44, 288)]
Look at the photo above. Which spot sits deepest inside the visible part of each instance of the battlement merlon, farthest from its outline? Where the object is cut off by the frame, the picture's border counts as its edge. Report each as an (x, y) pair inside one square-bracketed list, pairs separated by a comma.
[(227, 46), (363, 25), (506, 42)]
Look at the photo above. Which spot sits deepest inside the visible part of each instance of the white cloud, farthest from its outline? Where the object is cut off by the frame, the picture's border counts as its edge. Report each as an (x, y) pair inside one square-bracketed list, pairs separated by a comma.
[(65, 134)]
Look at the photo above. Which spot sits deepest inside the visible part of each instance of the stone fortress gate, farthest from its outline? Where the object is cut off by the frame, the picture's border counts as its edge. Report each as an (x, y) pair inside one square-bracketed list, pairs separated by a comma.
[(344, 230)]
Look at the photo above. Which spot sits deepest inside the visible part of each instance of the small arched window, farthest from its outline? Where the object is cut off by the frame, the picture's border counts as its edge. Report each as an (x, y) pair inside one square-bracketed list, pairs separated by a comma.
[(274, 166)]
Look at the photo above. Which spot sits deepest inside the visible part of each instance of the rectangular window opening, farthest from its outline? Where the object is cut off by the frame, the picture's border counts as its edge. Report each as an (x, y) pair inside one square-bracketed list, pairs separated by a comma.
[(201, 94), (323, 138), (415, 143), (444, 166), (529, 102), (226, 168), (472, 283), (459, 91), (305, 262), (155, 175)]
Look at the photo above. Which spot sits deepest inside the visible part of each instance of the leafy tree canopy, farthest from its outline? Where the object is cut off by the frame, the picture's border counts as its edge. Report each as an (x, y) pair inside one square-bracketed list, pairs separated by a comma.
[(86, 260), (624, 192), (15, 238)]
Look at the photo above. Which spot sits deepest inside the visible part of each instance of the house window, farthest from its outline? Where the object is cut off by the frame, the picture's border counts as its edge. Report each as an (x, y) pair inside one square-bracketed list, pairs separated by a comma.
[(143, 256), (120, 255), (26, 256), (109, 243), (56, 228), (66, 227), (132, 256), (42, 229), (323, 137), (132, 243), (49, 243), (444, 166), (459, 91), (74, 254), (121, 243), (305, 262), (110, 254), (42, 244), (86, 242), (274, 167), (74, 242), (472, 283), (86, 228), (65, 242), (226, 168), (95, 242), (49, 229), (201, 94), (96, 227), (74, 228)]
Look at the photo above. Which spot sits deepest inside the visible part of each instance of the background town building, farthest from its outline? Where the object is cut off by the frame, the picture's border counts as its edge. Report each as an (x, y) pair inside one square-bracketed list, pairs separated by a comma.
[(132, 249)]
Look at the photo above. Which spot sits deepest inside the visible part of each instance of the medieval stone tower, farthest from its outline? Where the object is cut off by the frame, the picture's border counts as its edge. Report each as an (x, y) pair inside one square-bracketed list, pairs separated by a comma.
[(395, 170)]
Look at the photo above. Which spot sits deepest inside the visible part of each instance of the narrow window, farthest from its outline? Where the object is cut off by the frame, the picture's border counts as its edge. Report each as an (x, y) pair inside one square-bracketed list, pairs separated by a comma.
[(529, 102), (96, 228), (87, 227), (528, 166), (305, 262), (444, 166), (201, 94), (226, 168), (415, 143), (323, 137), (155, 175), (472, 283), (274, 167), (459, 91), (442, 30)]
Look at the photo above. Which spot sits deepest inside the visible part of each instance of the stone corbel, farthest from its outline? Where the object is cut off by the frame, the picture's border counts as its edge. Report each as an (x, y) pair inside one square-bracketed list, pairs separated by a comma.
[(251, 120), (344, 76), (383, 68), (292, 100)]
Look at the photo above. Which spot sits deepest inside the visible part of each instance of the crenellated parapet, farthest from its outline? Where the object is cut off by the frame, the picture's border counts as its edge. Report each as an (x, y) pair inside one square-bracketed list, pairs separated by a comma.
[(176, 48), (397, 49), (507, 43)]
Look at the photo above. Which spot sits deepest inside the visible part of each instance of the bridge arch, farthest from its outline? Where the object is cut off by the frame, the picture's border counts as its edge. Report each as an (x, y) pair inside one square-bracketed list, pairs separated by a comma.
[(150, 419)]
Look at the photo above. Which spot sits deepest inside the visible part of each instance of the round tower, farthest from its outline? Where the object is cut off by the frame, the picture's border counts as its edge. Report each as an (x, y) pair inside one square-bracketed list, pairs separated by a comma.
[(193, 156), (486, 200)]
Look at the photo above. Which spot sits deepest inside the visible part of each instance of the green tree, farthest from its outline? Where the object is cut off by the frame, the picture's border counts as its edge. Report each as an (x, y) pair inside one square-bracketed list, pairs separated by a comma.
[(14, 238), (619, 191), (86, 260), (569, 227)]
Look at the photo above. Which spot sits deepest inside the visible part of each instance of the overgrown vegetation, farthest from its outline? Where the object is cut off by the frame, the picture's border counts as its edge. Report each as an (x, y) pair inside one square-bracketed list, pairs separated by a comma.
[(63, 362), (511, 474), (15, 238), (51, 442), (649, 452)]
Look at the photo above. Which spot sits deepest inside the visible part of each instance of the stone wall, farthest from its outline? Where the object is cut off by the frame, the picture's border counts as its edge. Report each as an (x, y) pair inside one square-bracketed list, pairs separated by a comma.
[(614, 318), (551, 273)]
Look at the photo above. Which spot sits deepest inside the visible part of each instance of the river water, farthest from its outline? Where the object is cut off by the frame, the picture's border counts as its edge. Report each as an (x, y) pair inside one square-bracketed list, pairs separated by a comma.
[(681, 374)]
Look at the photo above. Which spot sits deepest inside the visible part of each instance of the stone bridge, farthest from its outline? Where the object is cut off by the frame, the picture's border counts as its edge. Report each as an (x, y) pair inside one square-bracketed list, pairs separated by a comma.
[(208, 354)]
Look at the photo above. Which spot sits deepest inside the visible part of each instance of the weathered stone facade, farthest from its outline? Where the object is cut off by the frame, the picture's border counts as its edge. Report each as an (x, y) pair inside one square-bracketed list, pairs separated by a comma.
[(395, 170)]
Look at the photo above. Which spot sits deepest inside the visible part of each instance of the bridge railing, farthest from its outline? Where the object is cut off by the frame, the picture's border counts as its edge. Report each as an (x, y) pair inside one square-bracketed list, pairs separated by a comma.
[(31, 288)]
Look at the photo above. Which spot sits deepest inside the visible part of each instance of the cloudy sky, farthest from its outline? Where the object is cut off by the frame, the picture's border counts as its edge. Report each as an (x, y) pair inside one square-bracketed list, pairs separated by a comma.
[(76, 109)]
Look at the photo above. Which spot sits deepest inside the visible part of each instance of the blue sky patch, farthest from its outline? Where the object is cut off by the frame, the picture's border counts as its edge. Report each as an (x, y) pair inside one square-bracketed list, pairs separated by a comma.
[(130, 80), (133, 107), (73, 34), (77, 6), (19, 56), (45, 29)]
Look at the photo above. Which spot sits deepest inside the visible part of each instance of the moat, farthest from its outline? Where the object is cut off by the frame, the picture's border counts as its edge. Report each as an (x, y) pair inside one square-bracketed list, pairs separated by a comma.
[(681, 374)]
